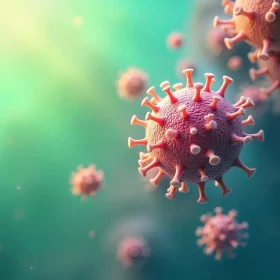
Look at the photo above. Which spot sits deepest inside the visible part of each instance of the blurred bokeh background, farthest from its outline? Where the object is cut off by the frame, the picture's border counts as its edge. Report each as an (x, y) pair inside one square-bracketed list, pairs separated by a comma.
[(59, 108)]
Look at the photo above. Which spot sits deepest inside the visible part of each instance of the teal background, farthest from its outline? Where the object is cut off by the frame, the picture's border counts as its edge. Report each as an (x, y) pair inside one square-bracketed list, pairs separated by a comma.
[(59, 109)]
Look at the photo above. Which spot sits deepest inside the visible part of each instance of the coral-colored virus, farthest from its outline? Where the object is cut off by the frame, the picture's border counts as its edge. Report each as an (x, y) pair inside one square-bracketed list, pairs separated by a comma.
[(256, 22), (194, 135), (175, 40), (132, 83), (132, 249), (235, 63), (221, 233), (270, 69), (86, 181)]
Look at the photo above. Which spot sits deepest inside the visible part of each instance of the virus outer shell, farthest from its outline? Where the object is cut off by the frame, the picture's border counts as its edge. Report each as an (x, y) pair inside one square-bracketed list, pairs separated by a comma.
[(132, 84), (175, 40), (132, 249), (193, 135), (255, 21), (221, 233), (86, 181), (270, 69)]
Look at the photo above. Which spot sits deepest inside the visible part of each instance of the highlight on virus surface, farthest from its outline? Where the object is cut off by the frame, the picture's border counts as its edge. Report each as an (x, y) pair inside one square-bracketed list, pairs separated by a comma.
[(194, 135)]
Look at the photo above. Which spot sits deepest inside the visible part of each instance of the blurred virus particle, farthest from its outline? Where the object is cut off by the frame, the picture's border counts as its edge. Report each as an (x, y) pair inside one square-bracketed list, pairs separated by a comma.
[(235, 63), (253, 92), (86, 181), (132, 83), (78, 21), (175, 40), (256, 22), (215, 40), (184, 64), (132, 250), (193, 135), (271, 70), (221, 233)]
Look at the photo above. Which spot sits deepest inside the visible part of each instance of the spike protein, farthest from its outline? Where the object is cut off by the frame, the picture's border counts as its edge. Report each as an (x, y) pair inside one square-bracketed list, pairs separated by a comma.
[(221, 233), (132, 84), (270, 69), (86, 181), (194, 135), (132, 249), (255, 21)]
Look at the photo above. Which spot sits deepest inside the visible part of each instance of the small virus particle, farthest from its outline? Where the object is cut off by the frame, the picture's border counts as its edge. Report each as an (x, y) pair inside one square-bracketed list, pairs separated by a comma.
[(193, 135), (91, 233), (175, 40), (78, 21), (215, 40), (18, 188), (271, 70), (235, 63), (86, 181), (132, 83), (184, 64), (221, 233), (132, 250), (255, 22)]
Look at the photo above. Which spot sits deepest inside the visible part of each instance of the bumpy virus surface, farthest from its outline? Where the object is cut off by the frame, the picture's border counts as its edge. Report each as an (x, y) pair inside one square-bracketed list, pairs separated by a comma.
[(221, 233), (270, 69), (235, 63), (194, 135), (132, 83), (175, 40), (255, 21), (86, 181), (132, 249)]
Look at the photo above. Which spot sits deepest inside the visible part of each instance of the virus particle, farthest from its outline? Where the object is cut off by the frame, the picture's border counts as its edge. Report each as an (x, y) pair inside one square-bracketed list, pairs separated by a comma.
[(78, 21), (184, 64), (175, 40), (255, 22), (86, 181), (132, 83), (194, 135), (235, 63), (221, 233), (132, 250), (270, 69), (215, 40)]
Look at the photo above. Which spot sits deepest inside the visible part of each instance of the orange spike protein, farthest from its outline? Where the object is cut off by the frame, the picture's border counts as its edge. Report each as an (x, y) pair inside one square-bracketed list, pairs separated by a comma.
[(86, 181), (255, 21), (221, 233), (194, 135)]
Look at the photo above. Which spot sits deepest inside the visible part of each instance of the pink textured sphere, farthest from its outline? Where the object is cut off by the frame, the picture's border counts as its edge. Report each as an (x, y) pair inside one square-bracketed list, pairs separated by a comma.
[(221, 233), (194, 135)]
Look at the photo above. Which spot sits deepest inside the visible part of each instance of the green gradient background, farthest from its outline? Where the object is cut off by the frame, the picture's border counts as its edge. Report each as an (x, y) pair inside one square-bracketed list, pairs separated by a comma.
[(59, 109)]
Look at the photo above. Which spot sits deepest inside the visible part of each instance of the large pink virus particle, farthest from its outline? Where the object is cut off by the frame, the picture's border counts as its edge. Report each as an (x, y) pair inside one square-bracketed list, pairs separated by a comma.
[(175, 40), (194, 135), (221, 233), (255, 21), (86, 181), (132, 83), (132, 249), (271, 70)]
